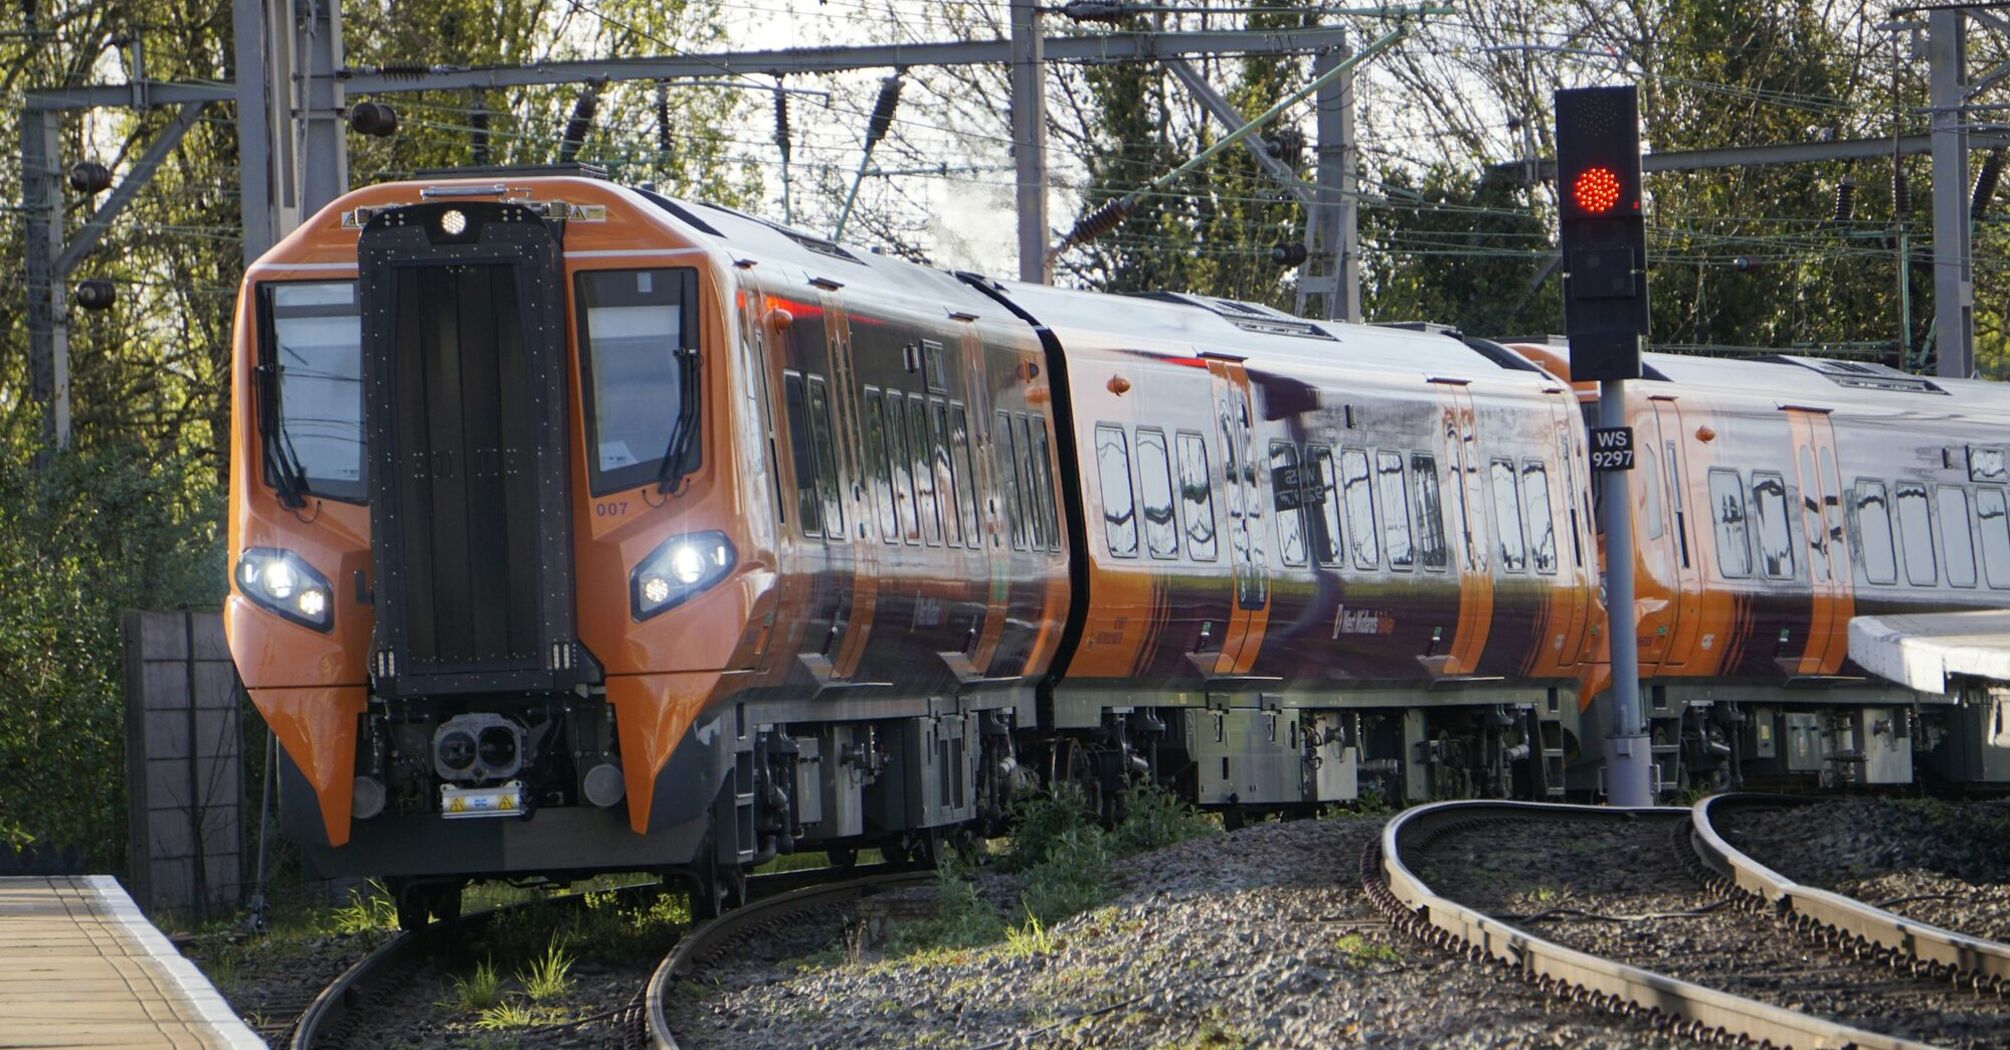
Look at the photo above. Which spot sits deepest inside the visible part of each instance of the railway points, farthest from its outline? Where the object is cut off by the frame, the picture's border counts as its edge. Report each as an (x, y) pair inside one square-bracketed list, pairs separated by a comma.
[(80, 966)]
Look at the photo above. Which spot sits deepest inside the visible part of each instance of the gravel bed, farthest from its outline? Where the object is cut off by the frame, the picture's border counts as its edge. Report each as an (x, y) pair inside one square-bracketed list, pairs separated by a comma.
[(1945, 863), (270, 981), (1261, 937), (1571, 880)]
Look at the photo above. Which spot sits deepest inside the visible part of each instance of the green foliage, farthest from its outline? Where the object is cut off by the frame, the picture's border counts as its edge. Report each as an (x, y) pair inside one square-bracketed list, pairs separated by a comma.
[(963, 918), (1073, 876), (1155, 818), (367, 911), (1361, 951), (1039, 820), (480, 990), (1459, 250), (513, 1013), (100, 531), (549, 976)]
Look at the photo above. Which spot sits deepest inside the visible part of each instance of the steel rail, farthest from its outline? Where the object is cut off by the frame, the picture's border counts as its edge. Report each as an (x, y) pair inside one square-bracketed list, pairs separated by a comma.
[(1691, 1009), (708, 937), (345, 992), (1832, 917)]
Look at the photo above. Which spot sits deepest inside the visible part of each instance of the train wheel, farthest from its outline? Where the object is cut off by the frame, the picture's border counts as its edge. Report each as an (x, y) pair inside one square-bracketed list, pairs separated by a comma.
[(444, 902), (843, 856)]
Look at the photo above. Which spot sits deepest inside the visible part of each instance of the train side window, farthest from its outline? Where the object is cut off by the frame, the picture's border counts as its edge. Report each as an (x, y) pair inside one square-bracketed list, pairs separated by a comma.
[(1430, 511), (875, 454), (1196, 495), (809, 507), (1872, 505), (1155, 485), (1507, 516), (1113, 469), (1957, 537), (1541, 525), (966, 485), (1817, 536), (925, 504), (1650, 482), (1995, 522), (1776, 542), (1008, 476), (1915, 534), (1395, 510), (1322, 486), (1727, 510), (903, 469), (827, 475), (1037, 485), (945, 474), (1675, 502), (1050, 495), (1289, 496), (1356, 493), (1470, 547)]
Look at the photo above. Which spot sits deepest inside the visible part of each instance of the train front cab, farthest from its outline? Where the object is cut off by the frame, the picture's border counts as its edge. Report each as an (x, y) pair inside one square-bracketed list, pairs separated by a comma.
[(488, 559)]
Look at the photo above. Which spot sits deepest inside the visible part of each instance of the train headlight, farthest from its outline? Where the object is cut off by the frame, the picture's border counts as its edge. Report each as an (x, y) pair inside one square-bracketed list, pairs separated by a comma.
[(680, 568), (280, 582)]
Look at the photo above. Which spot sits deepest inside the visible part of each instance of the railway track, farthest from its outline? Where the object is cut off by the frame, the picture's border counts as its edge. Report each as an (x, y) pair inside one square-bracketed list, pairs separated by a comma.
[(1836, 921), (709, 938), (1711, 971)]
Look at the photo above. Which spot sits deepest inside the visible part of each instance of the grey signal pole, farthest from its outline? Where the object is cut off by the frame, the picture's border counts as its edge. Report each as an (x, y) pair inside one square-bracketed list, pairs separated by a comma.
[(1629, 758)]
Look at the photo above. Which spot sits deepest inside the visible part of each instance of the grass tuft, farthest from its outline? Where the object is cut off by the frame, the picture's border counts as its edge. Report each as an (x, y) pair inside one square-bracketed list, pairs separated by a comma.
[(1361, 951), (511, 1014), (549, 976), (479, 990), (367, 912)]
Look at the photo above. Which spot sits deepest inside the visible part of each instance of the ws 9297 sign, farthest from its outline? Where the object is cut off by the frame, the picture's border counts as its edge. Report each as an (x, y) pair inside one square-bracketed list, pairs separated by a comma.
[(1611, 448)]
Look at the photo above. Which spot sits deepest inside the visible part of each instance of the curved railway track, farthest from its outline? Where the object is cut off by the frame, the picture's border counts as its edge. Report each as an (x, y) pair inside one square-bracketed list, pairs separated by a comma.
[(713, 936), (1688, 1007), (1835, 920)]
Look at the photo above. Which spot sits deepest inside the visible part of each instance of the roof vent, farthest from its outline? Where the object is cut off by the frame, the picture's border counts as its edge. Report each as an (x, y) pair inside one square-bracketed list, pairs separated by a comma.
[(1861, 375), (1250, 317)]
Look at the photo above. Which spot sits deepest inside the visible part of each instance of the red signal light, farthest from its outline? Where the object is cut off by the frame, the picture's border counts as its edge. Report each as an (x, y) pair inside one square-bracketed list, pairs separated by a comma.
[(1596, 190)]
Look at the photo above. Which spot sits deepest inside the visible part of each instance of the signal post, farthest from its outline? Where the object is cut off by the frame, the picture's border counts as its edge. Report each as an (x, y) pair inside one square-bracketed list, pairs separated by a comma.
[(1603, 240)]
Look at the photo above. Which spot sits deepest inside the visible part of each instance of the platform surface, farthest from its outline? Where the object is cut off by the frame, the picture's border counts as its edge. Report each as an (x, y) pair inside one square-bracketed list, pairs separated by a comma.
[(80, 966), (1923, 651)]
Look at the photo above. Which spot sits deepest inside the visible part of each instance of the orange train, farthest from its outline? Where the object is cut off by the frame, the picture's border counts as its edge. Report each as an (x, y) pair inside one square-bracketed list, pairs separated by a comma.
[(575, 528)]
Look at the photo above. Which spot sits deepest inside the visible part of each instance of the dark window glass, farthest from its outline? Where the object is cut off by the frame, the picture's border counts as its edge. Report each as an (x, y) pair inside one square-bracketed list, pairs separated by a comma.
[(903, 467), (1915, 534), (1956, 538), (1322, 488), (1430, 513), (1288, 496), (1035, 487), (809, 505), (1507, 516), (1008, 474), (1727, 510), (1395, 510), (317, 353), (1541, 526), (1196, 496), (1776, 542), (1470, 546), (1677, 501), (1873, 530), (1995, 522), (1155, 490), (1357, 494), (882, 483), (1042, 466), (945, 475), (1113, 468), (925, 503), (959, 449), (827, 479), (632, 324), (1650, 480)]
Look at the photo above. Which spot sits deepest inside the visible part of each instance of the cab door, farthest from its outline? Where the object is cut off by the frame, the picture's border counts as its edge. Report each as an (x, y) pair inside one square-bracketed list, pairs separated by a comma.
[(1234, 427), (1466, 531), (1679, 542), (1832, 598)]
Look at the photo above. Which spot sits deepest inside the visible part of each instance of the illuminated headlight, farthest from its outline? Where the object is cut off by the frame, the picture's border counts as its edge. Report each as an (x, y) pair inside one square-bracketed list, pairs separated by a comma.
[(678, 569), (281, 582)]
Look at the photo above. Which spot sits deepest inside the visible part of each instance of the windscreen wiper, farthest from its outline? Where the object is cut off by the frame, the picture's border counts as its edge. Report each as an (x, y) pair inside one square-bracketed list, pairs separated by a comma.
[(286, 473), (674, 470)]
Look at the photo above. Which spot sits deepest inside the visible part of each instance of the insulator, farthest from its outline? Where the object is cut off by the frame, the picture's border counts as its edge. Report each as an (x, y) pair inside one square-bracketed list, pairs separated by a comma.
[(882, 110), (1986, 179), (374, 119), (579, 124), (1286, 144), (1106, 217), (662, 118), (478, 130), (1845, 208), (96, 294), (90, 177), (1096, 10), (782, 124), (403, 70), (1288, 253), (1901, 194)]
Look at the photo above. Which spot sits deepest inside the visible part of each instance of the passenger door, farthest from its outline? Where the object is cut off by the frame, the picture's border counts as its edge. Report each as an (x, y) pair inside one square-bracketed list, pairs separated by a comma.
[(1683, 615), (1832, 596), (1234, 425)]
